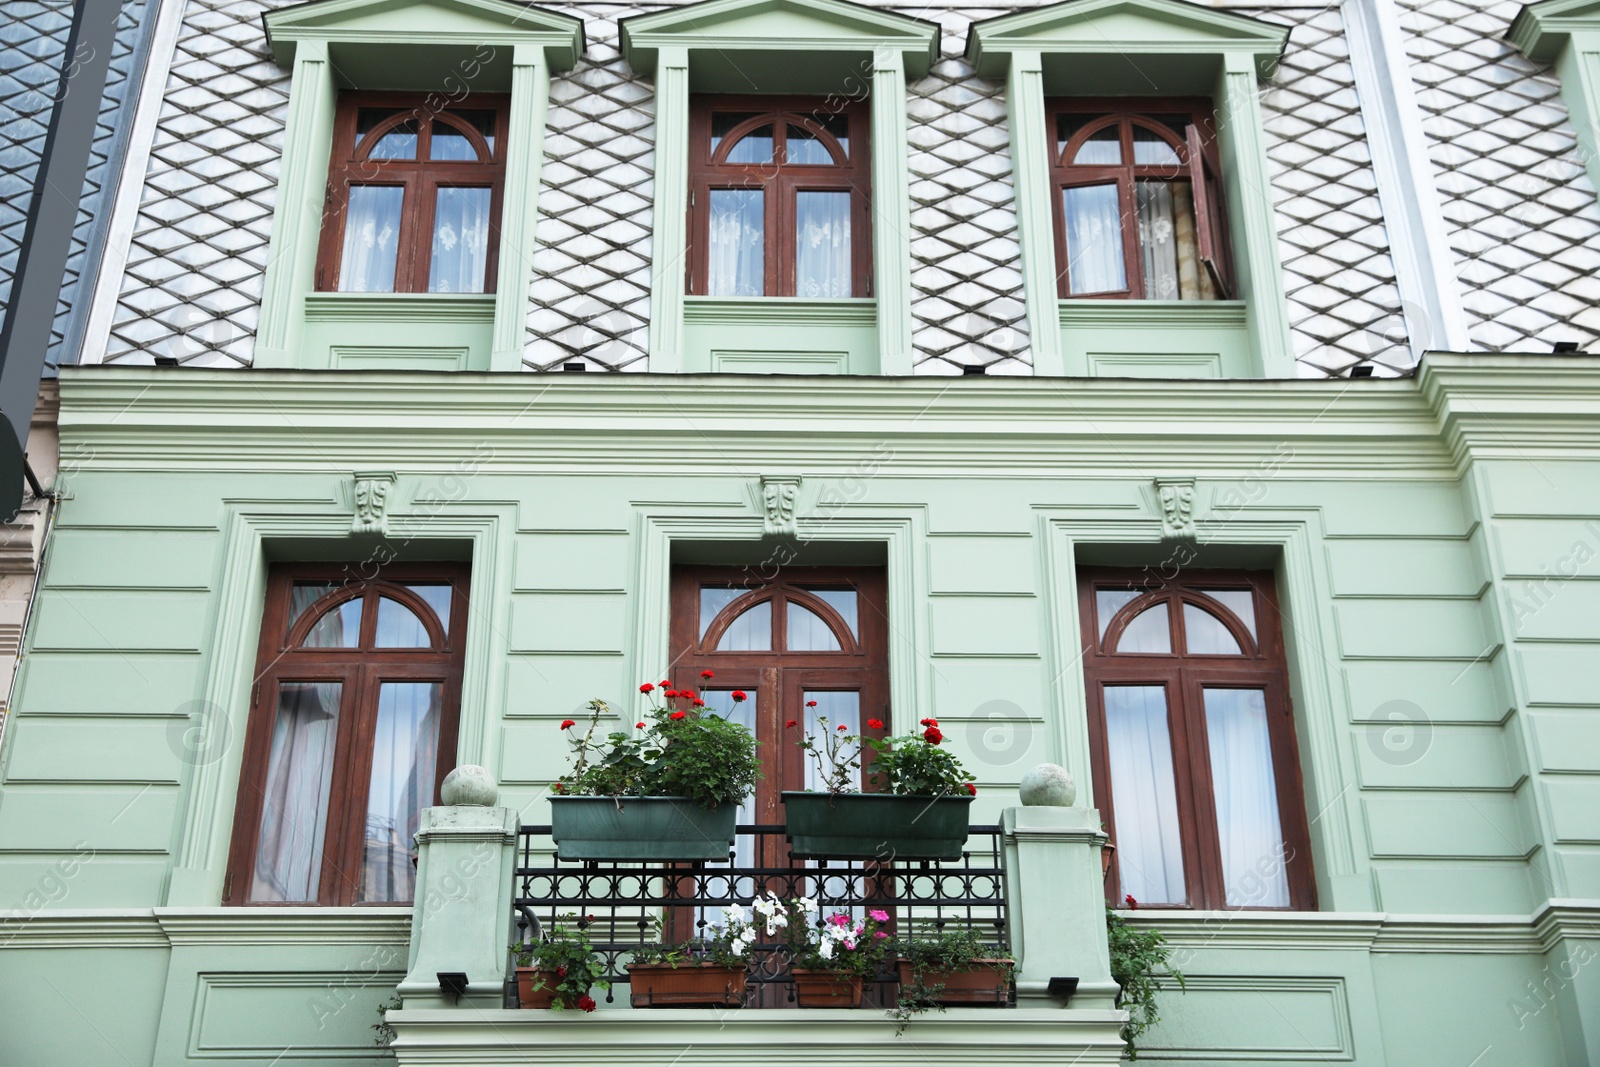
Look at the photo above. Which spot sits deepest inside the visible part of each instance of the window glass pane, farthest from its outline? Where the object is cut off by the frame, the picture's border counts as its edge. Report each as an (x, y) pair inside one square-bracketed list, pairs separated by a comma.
[(1253, 851), (724, 122), (294, 805), (712, 600), (1107, 602), (1094, 240), (399, 627), (805, 148), (305, 594), (1150, 149), (405, 760), (371, 239), (736, 252), (438, 598), (339, 627), (837, 126), (449, 143), (398, 142), (1103, 148), (460, 241), (822, 247), (1148, 632), (840, 708), (750, 632), (1067, 125), (1206, 635), (1144, 794), (1168, 245), (1242, 602), (721, 702), (808, 632), (844, 602)]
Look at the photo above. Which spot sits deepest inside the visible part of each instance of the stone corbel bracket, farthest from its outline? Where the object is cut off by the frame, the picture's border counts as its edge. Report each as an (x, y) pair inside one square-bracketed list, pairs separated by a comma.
[(371, 493), (778, 497), (1175, 500)]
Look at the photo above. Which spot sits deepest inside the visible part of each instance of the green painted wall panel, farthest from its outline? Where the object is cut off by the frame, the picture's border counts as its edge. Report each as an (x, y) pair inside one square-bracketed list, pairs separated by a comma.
[(1556, 610), (573, 561), (77, 1007), (1567, 740), (164, 622), (1294, 1018), (1451, 1009), (1455, 824), (982, 565), (534, 752), (1544, 487), (1560, 674), (1374, 508), (59, 748), (984, 625), (113, 817), (301, 1017), (555, 685), (1404, 629), (110, 682), (1541, 547), (1575, 809), (1391, 567), (568, 622), (998, 689), (1490, 887), (1452, 692), (1408, 755), (78, 876), (151, 559)]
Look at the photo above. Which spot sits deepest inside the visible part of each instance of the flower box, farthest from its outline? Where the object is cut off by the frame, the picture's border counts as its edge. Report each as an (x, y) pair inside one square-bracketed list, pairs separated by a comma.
[(645, 829), (826, 989), (686, 985), (984, 983), (876, 826)]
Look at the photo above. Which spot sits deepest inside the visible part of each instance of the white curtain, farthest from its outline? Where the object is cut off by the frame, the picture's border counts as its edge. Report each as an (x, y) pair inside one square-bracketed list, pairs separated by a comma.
[(822, 248), (1169, 244), (1094, 240), (405, 759), (294, 809), (737, 249), (1247, 799), (1144, 794), (371, 239), (460, 261)]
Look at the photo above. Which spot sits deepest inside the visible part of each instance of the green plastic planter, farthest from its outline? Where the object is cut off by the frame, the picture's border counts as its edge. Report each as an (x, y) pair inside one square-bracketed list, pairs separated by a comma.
[(649, 829), (875, 826)]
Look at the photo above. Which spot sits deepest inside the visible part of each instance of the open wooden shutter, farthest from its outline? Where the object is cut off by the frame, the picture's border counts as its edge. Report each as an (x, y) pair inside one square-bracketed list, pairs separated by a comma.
[(1208, 214)]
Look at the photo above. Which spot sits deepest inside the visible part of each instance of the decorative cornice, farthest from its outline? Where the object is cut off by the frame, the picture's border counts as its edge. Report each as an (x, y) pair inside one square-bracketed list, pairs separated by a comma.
[(330, 20), (166, 927), (1540, 30)]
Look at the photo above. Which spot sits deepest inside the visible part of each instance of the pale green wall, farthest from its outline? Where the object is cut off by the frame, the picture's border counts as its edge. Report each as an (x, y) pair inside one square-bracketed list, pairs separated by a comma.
[(1396, 557)]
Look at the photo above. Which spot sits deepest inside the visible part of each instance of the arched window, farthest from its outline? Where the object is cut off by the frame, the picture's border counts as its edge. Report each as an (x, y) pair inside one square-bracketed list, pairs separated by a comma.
[(413, 195), (352, 728), (1193, 746), (779, 198)]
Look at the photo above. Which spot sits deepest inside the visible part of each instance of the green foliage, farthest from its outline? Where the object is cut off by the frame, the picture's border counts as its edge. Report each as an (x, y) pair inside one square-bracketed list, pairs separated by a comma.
[(837, 942), (935, 956), (729, 945), (571, 965), (384, 1031), (1139, 957), (914, 765), (681, 751)]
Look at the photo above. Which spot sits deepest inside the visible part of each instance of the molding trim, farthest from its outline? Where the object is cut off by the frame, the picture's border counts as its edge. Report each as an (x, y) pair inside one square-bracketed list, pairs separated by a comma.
[(169, 927), (1152, 314), (399, 307), (779, 311)]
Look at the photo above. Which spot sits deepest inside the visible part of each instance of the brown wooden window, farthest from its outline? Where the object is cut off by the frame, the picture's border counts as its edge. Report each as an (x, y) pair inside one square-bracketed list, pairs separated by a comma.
[(352, 728), (779, 201), (1138, 205), (413, 195), (1192, 741)]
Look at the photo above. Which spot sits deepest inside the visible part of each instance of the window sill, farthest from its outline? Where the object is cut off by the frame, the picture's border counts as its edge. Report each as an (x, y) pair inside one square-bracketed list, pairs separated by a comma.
[(780, 311), (1156, 338), (400, 307), (780, 335)]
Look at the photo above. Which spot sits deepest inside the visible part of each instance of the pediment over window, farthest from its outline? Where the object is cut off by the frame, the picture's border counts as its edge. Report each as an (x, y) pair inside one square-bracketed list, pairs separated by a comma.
[(1172, 28), (788, 31), (392, 34), (1540, 30)]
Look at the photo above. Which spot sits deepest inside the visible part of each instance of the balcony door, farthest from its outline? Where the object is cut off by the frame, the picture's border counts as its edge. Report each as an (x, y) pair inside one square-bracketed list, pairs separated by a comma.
[(810, 644)]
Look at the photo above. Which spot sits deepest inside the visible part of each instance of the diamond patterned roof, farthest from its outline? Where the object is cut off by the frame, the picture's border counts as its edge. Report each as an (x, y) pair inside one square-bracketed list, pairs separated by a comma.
[(200, 241), (1522, 212)]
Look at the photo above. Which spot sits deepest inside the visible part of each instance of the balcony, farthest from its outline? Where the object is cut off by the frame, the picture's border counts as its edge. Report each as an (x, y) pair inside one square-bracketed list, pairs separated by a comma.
[(1028, 885)]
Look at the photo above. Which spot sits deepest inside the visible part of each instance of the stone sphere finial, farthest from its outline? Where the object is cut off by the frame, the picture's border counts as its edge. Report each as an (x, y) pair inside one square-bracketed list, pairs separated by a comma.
[(1048, 786), (469, 786)]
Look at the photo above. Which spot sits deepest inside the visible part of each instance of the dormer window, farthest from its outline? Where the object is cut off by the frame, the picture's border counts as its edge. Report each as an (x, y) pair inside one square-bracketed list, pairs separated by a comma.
[(413, 196), (779, 201), (1138, 201)]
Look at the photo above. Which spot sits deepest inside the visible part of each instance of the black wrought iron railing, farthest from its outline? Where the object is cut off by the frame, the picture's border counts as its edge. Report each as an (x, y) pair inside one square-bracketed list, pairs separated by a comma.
[(623, 906)]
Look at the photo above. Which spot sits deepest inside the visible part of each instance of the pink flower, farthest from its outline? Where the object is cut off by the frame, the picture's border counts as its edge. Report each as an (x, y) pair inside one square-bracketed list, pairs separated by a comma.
[(878, 915), (879, 935)]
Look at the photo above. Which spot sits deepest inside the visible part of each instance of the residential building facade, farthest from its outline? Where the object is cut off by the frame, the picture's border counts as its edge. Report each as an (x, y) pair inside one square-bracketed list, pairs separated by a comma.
[(1200, 398)]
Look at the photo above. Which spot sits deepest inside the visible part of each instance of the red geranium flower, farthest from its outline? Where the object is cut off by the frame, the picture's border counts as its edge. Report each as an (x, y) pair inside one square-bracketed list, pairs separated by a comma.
[(699, 703), (561, 972), (740, 695), (559, 788), (791, 724), (811, 703), (586, 1003), (567, 724), (708, 674), (638, 726), (972, 789), (932, 735), (687, 694), (1130, 902), (646, 687), (842, 726), (929, 722), (874, 724), (678, 715)]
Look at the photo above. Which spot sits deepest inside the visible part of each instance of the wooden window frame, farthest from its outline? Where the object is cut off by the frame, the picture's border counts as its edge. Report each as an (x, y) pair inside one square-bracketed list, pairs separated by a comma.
[(1199, 160), (780, 182), (420, 178), (360, 671), (1184, 675)]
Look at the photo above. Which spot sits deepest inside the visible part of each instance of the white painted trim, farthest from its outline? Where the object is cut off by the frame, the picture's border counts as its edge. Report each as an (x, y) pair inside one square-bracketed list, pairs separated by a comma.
[(129, 194), (1425, 270)]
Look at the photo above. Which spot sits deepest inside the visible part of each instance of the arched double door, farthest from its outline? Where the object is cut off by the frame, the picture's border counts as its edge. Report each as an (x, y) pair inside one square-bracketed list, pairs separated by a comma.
[(809, 644)]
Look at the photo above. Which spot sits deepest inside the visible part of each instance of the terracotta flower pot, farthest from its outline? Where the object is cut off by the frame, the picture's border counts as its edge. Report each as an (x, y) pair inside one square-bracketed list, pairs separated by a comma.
[(980, 984), (527, 995), (826, 989), (687, 985), (1108, 852)]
